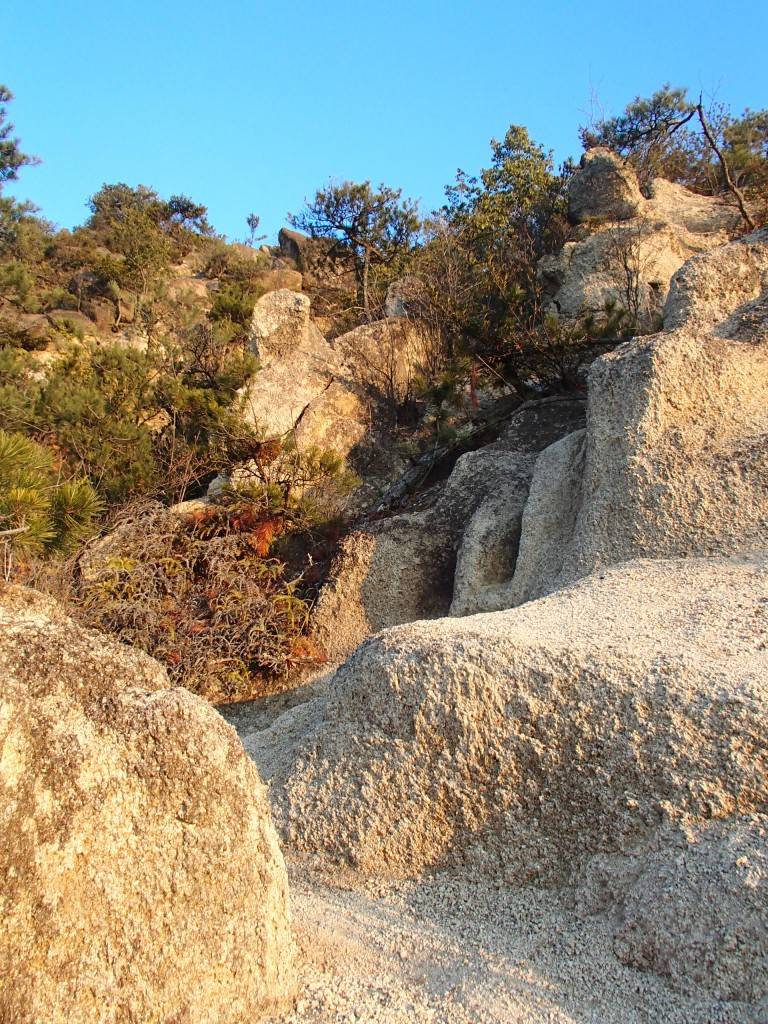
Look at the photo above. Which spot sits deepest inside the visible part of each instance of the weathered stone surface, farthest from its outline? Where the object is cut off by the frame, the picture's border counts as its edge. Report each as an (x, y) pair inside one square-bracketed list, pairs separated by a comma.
[(297, 363), (630, 264), (336, 419), (451, 558), (340, 621), (142, 880), (525, 742), (250, 252), (198, 288), (126, 307), (389, 354), (297, 247), (634, 246), (71, 320), (603, 188), (674, 454), (693, 907), (546, 514), (280, 326), (311, 258)]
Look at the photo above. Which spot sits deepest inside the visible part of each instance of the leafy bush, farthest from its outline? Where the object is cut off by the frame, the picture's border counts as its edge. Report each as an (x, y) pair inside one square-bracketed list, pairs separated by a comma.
[(200, 593), (17, 283), (233, 303)]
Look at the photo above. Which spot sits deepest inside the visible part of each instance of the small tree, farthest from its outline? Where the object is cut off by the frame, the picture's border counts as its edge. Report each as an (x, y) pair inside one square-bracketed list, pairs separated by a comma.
[(12, 213), (130, 221), (479, 260), (252, 220), (369, 228), (11, 157), (182, 211), (39, 514)]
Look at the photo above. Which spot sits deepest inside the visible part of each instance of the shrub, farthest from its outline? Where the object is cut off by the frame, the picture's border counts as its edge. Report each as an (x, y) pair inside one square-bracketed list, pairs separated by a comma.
[(40, 514), (200, 593)]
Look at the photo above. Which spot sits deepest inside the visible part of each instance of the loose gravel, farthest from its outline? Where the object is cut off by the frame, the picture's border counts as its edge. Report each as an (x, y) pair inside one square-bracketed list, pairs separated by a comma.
[(444, 950)]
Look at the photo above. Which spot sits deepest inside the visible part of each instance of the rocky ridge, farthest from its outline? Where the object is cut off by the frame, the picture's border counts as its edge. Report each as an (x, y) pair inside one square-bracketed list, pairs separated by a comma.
[(631, 246), (591, 751), (603, 732)]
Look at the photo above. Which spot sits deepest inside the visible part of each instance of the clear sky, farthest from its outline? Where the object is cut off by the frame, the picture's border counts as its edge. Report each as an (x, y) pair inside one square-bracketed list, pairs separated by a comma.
[(251, 105)]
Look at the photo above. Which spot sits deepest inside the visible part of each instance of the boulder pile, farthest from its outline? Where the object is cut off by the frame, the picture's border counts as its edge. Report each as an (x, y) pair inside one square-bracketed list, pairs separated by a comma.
[(628, 247)]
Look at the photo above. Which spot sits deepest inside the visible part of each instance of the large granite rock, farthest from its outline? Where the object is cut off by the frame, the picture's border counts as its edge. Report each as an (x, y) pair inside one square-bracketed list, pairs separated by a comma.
[(604, 188), (297, 365), (451, 558), (673, 459), (313, 258), (388, 355), (142, 880), (631, 246), (615, 729)]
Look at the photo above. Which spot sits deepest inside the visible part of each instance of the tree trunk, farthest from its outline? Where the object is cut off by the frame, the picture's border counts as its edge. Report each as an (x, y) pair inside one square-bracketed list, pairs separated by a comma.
[(732, 187), (366, 298)]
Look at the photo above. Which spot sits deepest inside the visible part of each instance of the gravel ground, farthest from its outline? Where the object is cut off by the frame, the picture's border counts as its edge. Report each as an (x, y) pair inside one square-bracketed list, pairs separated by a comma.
[(443, 949)]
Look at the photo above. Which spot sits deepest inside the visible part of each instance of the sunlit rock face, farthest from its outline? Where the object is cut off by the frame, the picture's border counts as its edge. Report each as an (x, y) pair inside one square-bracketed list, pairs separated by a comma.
[(142, 880)]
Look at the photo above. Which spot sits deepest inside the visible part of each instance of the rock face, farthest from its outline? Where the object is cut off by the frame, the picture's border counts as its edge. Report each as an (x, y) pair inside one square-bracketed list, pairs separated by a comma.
[(341, 395), (603, 188), (601, 722), (303, 250), (310, 256), (387, 355), (281, 326), (673, 459), (453, 558), (297, 363), (321, 389), (634, 245), (142, 880)]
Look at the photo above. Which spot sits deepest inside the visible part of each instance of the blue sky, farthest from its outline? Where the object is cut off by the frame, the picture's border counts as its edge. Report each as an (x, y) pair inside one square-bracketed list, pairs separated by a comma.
[(251, 106)]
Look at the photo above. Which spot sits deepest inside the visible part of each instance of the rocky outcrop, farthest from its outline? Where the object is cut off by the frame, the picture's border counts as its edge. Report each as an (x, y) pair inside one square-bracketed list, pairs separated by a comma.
[(297, 365), (281, 326), (312, 258), (633, 246), (603, 189), (142, 880), (673, 460), (452, 557), (387, 356), (341, 395), (304, 251), (601, 722)]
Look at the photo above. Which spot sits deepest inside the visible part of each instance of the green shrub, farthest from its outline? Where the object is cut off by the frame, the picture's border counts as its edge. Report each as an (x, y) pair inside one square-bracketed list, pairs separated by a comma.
[(233, 303), (39, 513), (58, 297), (17, 283)]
